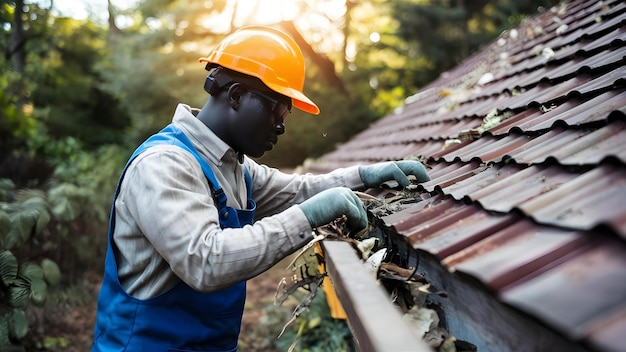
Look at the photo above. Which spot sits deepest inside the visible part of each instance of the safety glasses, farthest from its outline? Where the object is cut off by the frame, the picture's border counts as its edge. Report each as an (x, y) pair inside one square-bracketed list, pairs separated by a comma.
[(277, 107)]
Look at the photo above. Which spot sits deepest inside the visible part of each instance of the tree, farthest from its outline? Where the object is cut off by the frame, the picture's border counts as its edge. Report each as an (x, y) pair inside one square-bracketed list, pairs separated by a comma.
[(53, 74), (445, 32), (161, 49)]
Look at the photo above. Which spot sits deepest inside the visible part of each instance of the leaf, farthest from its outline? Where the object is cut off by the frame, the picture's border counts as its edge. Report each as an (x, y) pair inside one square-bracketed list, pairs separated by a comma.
[(314, 322), (64, 210), (32, 203), (24, 195), (40, 205), (38, 291), (51, 271), (53, 343), (8, 267), (18, 324), (19, 292), (23, 223), (6, 184), (30, 271), (62, 205), (5, 225), (5, 342)]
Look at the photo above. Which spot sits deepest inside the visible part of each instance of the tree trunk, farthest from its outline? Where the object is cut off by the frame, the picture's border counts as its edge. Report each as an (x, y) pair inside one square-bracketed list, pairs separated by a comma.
[(350, 4), (465, 47), (113, 28), (17, 53)]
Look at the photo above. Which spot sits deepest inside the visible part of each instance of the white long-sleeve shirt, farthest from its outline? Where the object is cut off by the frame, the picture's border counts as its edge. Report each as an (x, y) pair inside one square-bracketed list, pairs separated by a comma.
[(167, 227)]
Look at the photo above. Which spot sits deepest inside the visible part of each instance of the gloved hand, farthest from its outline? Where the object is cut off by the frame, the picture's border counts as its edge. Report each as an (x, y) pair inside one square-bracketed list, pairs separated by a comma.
[(374, 175), (331, 204)]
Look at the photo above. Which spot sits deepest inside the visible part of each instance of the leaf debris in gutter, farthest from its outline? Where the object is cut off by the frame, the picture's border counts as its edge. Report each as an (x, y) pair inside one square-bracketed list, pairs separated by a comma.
[(389, 258)]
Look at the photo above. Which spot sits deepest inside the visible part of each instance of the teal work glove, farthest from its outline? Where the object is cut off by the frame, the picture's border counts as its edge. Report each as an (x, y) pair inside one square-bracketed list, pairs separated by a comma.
[(374, 175), (331, 204)]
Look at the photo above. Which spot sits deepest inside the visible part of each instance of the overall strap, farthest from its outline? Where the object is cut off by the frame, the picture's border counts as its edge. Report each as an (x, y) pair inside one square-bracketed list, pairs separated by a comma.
[(211, 320), (218, 193), (248, 179), (172, 135)]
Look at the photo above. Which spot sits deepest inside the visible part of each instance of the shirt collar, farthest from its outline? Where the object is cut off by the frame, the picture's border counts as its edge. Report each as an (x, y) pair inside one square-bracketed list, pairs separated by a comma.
[(205, 141)]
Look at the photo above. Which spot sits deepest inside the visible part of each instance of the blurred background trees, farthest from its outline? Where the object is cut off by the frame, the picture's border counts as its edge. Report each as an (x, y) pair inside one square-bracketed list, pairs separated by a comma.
[(77, 95)]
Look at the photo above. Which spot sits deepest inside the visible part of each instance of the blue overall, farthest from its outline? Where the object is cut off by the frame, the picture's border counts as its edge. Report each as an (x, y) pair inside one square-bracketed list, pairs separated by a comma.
[(180, 319)]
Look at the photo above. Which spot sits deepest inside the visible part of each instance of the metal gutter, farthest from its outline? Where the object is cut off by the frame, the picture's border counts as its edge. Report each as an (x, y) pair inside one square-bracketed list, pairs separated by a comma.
[(376, 323)]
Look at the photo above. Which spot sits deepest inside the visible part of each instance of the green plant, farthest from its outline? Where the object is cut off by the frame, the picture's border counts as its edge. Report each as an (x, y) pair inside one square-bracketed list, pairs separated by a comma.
[(316, 330), (22, 282)]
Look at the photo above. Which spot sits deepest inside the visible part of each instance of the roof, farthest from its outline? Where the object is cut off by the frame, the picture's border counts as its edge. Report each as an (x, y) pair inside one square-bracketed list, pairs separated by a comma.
[(526, 145)]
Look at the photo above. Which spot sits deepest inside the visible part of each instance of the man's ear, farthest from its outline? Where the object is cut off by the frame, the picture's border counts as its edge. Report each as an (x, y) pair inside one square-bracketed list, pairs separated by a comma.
[(234, 95)]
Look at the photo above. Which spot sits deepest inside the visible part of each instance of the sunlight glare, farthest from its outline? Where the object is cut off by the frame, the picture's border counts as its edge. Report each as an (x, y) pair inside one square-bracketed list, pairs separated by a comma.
[(249, 12), (350, 53), (190, 47), (153, 23), (319, 25), (180, 29), (83, 9), (168, 48), (334, 9), (265, 11), (123, 21)]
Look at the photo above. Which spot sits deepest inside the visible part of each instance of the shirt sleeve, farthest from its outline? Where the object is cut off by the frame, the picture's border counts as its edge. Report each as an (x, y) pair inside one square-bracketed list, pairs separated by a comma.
[(274, 191), (178, 234)]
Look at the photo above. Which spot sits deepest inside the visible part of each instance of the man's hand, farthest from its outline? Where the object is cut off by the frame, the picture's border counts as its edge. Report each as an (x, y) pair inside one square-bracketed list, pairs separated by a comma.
[(331, 204), (374, 175)]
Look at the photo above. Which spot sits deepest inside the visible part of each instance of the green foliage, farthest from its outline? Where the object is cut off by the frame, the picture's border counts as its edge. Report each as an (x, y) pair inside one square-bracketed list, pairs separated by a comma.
[(154, 65), (58, 85), (70, 87), (30, 219), (88, 93), (84, 180), (445, 32), (13, 326), (22, 281), (51, 272), (54, 343), (309, 136), (316, 330), (13, 123), (28, 216), (8, 267)]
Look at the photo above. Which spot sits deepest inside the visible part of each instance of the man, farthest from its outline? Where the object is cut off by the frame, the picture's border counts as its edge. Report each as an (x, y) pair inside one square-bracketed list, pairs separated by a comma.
[(194, 217)]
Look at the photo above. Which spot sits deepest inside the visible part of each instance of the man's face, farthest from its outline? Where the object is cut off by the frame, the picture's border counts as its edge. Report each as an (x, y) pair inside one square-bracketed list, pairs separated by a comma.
[(260, 120)]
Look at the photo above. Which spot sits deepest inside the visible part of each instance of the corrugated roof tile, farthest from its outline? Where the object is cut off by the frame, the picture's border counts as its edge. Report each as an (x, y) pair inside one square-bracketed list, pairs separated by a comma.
[(508, 190), (573, 112), (606, 333), (572, 295), (472, 227), (591, 199), (532, 205), (519, 252), (571, 146)]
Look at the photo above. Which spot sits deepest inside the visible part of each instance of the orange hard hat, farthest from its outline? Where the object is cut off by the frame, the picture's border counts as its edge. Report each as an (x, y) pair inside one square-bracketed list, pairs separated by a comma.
[(269, 55)]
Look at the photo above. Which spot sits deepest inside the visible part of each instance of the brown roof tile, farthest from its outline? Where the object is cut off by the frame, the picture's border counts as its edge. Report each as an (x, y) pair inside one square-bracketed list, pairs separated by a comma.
[(528, 172)]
